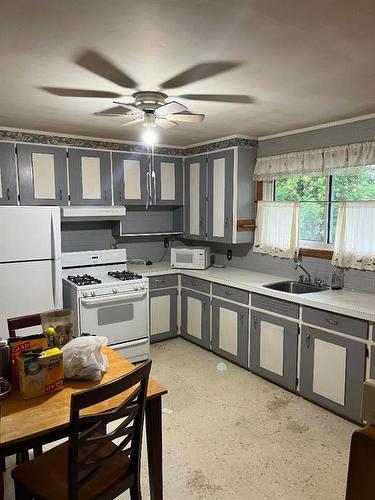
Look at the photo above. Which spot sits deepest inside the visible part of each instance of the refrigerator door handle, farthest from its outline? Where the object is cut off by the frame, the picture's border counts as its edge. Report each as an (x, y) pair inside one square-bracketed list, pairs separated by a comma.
[(57, 283), (55, 234)]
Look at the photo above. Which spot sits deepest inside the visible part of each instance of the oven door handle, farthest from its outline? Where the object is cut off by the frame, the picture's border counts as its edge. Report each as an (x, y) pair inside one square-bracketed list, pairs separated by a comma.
[(113, 298)]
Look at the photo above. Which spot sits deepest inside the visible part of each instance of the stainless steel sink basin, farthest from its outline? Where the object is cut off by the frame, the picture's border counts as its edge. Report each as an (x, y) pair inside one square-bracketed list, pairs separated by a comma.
[(295, 287)]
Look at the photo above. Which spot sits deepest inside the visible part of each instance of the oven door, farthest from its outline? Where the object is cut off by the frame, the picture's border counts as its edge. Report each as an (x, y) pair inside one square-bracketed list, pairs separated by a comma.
[(121, 318)]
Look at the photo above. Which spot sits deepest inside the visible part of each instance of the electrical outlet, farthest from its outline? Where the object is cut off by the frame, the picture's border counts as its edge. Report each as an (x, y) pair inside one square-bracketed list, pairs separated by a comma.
[(229, 254), (166, 243)]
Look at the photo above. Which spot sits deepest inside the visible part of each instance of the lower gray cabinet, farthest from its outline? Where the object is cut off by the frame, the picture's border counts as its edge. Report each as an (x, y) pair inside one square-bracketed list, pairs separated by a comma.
[(195, 317), (274, 348), (332, 371), (230, 331), (163, 314)]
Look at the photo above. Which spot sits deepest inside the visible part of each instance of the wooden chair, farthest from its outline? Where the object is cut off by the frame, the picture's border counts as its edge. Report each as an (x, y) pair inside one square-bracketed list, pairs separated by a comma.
[(361, 479), (90, 465)]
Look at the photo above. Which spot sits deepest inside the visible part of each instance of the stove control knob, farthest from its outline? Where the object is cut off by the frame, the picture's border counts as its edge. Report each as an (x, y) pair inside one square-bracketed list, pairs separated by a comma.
[(114, 290), (85, 294), (141, 287), (93, 294), (135, 287)]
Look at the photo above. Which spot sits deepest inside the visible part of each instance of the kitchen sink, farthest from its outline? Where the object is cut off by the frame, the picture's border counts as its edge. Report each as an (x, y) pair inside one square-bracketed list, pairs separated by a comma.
[(295, 287)]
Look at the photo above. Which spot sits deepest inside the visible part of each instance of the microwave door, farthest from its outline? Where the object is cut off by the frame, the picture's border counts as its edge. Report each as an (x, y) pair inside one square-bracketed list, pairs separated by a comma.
[(184, 258)]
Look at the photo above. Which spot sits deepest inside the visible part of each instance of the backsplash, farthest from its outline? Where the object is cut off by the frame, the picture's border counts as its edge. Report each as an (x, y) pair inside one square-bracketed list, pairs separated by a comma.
[(244, 257)]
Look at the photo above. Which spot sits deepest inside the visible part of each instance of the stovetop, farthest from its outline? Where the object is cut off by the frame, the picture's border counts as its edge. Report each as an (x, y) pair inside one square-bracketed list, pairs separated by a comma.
[(124, 275), (83, 280)]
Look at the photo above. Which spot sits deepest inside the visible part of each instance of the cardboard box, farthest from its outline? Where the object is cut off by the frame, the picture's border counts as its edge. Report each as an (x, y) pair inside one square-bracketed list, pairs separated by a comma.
[(18, 345), (40, 374)]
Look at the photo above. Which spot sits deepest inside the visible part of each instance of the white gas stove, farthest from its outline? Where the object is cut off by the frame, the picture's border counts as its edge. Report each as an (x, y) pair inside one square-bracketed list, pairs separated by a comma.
[(108, 300)]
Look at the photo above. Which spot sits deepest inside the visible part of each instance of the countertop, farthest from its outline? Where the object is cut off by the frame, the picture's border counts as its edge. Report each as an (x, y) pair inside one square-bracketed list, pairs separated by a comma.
[(352, 303)]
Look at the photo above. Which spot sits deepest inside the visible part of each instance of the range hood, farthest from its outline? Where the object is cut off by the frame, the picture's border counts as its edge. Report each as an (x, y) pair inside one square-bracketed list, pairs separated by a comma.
[(92, 213)]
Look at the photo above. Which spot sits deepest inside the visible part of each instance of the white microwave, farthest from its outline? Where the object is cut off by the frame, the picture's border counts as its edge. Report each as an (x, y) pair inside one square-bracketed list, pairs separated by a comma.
[(190, 257)]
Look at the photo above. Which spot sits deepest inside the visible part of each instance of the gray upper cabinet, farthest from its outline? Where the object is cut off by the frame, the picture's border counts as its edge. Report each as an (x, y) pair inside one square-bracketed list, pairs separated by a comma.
[(220, 196), (89, 177), (195, 317), (332, 371), (273, 349), (195, 197), (230, 331), (131, 179), (167, 181), (8, 175), (42, 175)]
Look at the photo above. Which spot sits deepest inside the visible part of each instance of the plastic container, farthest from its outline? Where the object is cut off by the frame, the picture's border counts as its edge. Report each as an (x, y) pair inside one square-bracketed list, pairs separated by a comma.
[(58, 326)]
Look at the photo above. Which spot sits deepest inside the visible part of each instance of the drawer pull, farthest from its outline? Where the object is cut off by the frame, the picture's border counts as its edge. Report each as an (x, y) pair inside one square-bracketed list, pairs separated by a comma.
[(308, 337), (332, 321), (193, 283), (227, 292), (159, 281)]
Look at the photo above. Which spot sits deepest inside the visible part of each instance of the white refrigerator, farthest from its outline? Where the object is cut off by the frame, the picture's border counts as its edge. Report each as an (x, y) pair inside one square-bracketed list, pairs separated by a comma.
[(30, 262)]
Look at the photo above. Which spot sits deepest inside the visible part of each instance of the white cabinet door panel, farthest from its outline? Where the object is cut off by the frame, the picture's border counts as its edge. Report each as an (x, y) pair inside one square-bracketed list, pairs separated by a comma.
[(90, 172), (44, 184), (132, 179), (194, 317), (272, 347), (160, 314), (218, 198), (228, 334), (167, 181), (329, 376)]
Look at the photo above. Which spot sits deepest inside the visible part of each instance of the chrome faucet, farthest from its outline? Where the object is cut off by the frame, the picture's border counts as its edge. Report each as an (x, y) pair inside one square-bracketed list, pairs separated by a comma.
[(300, 266)]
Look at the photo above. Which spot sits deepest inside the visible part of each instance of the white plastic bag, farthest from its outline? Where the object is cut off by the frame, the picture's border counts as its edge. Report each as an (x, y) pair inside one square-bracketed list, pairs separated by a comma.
[(83, 358)]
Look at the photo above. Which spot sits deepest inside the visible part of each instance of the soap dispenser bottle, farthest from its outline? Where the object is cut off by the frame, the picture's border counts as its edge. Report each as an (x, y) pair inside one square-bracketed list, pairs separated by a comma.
[(337, 278)]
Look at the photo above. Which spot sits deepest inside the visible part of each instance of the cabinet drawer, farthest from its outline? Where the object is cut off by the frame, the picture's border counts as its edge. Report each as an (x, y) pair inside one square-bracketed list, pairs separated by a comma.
[(196, 284), (228, 292), (337, 322), (275, 305), (163, 281)]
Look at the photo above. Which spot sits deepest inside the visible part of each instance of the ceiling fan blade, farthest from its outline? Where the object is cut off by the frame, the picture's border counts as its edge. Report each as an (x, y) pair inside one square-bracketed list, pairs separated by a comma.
[(165, 123), (64, 92), (186, 117), (170, 108), (114, 111), (241, 99), (132, 122), (129, 106), (199, 72), (96, 63)]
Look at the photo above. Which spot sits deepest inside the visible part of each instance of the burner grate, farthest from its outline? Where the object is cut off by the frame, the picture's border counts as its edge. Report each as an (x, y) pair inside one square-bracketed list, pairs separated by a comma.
[(85, 279), (124, 275)]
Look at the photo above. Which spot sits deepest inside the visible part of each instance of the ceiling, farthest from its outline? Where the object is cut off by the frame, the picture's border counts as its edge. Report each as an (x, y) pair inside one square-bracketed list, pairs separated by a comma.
[(301, 62)]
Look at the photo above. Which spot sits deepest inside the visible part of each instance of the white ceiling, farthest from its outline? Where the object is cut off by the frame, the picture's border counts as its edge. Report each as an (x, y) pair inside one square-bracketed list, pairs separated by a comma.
[(303, 62)]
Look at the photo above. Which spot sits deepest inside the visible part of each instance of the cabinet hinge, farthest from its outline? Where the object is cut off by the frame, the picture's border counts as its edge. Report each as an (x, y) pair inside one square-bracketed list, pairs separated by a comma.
[(297, 380), (19, 197), (206, 234), (69, 197), (299, 330), (367, 352)]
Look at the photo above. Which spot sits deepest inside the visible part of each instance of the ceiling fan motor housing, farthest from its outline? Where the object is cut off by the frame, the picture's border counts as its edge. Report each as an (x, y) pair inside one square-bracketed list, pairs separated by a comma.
[(149, 101)]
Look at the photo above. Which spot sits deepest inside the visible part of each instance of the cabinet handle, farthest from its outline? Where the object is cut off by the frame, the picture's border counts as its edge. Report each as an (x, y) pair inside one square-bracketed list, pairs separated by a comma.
[(120, 195), (60, 192), (241, 318), (105, 195), (193, 283), (332, 321), (201, 221), (227, 292), (308, 337), (8, 194), (255, 322), (204, 305), (226, 221)]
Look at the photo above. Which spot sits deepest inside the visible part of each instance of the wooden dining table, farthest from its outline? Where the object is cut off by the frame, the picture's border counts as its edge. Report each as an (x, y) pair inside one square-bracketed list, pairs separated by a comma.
[(25, 424)]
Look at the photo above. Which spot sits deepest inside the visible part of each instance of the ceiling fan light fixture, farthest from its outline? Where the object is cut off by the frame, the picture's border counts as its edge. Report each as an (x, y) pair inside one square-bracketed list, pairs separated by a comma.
[(150, 136)]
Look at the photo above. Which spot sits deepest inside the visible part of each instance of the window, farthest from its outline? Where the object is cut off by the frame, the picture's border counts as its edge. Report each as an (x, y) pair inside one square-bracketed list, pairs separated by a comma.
[(319, 197)]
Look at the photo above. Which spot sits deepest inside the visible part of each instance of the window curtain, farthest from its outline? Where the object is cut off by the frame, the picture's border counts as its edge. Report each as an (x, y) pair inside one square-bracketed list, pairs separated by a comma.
[(345, 159), (277, 229), (355, 236)]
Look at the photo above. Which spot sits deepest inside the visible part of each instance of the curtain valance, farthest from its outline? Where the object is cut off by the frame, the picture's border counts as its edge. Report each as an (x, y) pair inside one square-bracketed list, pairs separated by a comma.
[(348, 158)]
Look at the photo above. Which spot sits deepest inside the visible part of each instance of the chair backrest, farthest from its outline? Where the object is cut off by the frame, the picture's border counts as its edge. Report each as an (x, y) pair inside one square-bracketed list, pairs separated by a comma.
[(23, 322), (89, 440)]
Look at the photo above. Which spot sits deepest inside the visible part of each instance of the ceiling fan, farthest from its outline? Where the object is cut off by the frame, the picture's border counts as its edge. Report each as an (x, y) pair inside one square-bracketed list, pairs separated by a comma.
[(150, 107)]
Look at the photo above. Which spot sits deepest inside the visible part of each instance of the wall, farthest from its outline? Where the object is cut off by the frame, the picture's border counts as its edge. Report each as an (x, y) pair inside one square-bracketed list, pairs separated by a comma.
[(363, 130)]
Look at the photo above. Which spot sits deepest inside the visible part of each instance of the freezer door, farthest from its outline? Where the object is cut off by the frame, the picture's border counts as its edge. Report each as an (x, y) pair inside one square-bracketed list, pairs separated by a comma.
[(29, 233), (28, 288)]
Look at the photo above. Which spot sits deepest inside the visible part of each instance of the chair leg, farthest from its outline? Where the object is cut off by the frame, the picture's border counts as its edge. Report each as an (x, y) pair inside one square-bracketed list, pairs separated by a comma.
[(2, 464), (24, 455), (135, 490), (20, 493)]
